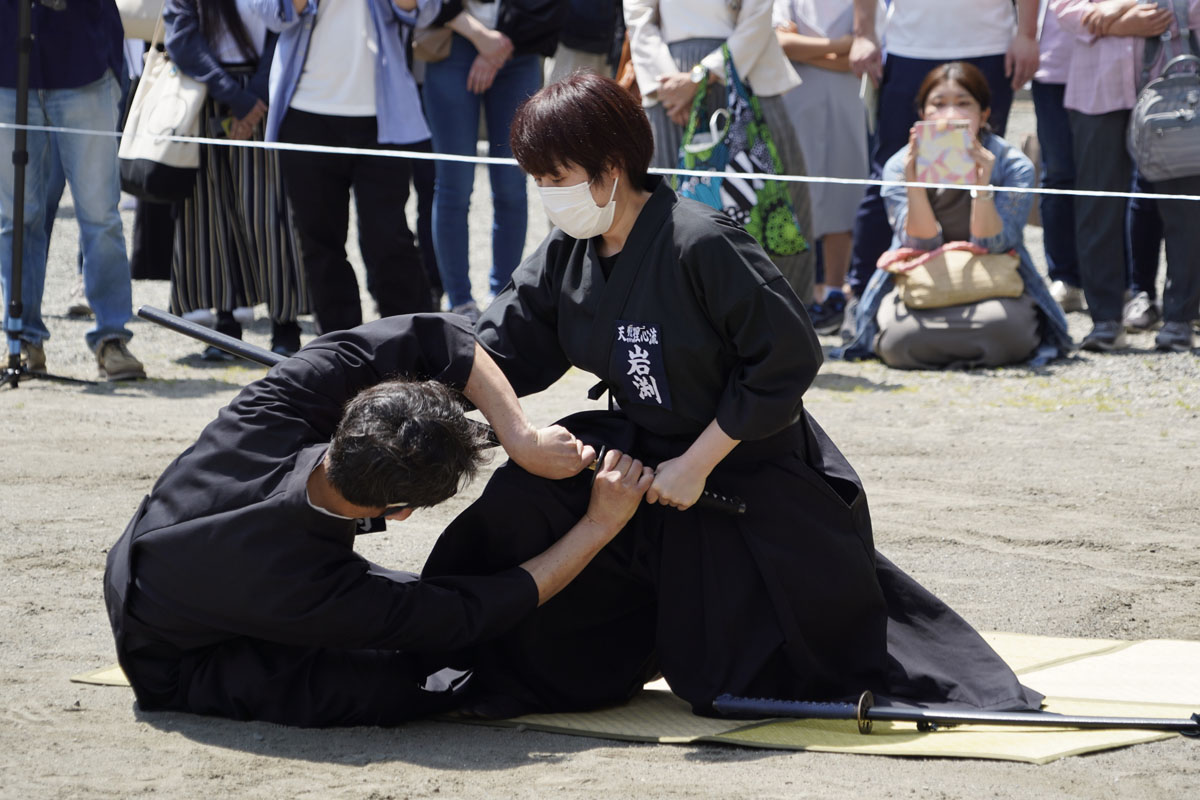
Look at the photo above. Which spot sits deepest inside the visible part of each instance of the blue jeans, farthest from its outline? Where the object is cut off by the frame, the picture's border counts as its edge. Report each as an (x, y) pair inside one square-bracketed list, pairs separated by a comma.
[(902, 78), (1058, 172), (453, 114), (90, 166)]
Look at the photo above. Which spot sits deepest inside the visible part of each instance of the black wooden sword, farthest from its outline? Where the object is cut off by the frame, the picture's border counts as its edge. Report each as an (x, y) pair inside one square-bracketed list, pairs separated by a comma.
[(259, 355), (865, 712)]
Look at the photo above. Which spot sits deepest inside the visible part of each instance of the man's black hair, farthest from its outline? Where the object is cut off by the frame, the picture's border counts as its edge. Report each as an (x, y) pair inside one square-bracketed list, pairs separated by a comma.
[(404, 441)]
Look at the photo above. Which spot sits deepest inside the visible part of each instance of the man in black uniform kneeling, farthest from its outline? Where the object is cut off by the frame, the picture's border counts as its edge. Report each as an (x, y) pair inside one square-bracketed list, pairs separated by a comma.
[(235, 590)]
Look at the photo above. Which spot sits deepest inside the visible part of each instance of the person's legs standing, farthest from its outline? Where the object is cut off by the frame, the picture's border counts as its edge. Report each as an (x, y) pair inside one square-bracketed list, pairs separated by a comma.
[(516, 81), (453, 114), (33, 250), (1000, 86), (90, 164), (1058, 211), (1103, 165), (424, 178), (897, 113), (395, 276), (318, 189), (1181, 295), (1143, 243)]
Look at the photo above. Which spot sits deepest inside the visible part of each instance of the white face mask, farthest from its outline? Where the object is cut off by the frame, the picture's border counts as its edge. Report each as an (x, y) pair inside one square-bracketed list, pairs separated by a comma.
[(573, 209)]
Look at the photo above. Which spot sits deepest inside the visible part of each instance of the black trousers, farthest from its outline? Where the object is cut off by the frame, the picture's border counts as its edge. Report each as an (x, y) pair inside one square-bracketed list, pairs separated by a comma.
[(318, 186), (1105, 165)]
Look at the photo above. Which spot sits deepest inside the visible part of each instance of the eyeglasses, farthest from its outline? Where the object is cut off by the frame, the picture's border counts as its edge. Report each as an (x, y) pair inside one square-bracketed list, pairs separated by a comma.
[(396, 508)]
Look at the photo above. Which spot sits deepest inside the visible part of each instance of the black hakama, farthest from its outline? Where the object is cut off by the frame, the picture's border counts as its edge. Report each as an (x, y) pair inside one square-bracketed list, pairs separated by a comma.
[(693, 322), (229, 594)]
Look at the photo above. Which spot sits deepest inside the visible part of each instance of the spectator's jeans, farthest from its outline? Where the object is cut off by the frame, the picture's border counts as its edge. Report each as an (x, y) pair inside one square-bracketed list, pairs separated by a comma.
[(1058, 172), (90, 165), (453, 114), (897, 112), (318, 187), (1104, 165)]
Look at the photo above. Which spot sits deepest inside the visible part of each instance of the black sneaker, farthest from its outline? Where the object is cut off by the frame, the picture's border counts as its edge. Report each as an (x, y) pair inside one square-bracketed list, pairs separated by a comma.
[(285, 338), (828, 316), (1105, 337), (1175, 337), (849, 324)]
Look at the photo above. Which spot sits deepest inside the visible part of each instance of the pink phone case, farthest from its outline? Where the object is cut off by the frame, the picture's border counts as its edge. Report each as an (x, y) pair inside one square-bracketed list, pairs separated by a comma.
[(943, 154)]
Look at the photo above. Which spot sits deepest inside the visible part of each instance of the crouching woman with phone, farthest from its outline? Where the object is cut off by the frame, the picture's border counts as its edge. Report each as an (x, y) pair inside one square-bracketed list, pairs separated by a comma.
[(937, 231)]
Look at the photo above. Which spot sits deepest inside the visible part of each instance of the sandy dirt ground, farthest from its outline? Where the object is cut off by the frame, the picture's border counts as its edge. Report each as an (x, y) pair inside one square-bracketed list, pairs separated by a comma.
[(1059, 501)]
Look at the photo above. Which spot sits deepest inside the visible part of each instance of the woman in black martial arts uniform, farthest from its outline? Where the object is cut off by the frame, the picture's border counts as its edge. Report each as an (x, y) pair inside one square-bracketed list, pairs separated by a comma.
[(705, 352)]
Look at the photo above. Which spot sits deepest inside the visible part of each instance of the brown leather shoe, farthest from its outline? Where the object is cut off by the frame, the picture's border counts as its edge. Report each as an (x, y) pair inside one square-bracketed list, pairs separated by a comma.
[(35, 356), (116, 363)]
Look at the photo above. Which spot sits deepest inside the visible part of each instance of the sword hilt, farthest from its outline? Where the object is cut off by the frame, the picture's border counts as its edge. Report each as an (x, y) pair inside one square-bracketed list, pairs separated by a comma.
[(710, 500)]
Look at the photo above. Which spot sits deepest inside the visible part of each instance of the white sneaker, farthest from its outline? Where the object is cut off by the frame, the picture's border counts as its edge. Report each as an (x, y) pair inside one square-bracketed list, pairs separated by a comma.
[(201, 316), (244, 315), (1069, 297), (77, 303)]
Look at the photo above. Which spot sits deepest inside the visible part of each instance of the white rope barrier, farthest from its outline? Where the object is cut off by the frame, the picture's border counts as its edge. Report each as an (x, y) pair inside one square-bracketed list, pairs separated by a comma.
[(419, 156)]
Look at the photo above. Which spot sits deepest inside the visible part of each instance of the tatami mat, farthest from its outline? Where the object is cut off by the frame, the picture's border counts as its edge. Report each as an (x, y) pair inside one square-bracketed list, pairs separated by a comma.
[(1104, 677)]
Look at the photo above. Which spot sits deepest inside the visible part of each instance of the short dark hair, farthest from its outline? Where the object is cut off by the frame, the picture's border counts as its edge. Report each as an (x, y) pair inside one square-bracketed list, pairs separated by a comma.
[(404, 441), (583, 119)]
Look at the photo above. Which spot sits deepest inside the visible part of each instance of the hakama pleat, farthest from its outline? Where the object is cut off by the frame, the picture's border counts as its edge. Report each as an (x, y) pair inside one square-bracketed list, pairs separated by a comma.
[(789, 600)]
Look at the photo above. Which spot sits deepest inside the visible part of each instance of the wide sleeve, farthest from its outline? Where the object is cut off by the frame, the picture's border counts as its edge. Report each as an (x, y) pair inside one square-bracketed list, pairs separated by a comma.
[(422, 16), (647, 49), (895, 203), (301, 588), (188, 48), (519, 330), (311, 388), (1012, 169), (752, 35), (754, 308), (1070, 17), (279, 15)]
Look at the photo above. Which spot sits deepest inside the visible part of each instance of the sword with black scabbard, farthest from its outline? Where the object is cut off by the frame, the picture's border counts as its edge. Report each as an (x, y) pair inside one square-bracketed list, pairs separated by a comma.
[(865, 712), (710, 500)]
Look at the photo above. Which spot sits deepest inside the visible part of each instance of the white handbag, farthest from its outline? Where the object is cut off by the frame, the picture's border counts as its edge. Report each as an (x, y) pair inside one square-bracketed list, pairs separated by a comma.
[(166, 103), (139, 16)]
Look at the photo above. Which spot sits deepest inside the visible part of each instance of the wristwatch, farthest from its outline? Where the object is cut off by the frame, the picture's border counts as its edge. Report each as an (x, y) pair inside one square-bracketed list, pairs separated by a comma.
[(982, 193), (699, 73)]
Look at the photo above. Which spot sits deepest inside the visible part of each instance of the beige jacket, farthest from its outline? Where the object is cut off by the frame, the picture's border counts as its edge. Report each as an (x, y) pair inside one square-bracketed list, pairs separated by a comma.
[(756, 52)]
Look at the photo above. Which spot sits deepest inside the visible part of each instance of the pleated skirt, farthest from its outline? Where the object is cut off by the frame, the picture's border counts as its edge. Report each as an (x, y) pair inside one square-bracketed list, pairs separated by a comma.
[(788, 601), (799, 269), (234, 243)]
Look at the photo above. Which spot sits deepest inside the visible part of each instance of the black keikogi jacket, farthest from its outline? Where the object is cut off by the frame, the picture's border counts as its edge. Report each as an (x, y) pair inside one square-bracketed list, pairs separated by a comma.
[(230, 594)]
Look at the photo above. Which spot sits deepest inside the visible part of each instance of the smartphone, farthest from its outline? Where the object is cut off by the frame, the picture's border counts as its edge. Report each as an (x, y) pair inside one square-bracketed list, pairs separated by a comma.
[(943, 152)]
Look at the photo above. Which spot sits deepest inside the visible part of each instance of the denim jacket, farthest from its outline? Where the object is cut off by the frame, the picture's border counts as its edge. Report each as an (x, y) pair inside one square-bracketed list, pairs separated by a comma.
[(1012, 169), (397, 103)]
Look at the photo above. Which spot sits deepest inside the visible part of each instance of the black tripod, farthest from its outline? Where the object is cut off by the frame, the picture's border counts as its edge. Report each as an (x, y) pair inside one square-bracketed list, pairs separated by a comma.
[(15, 370)]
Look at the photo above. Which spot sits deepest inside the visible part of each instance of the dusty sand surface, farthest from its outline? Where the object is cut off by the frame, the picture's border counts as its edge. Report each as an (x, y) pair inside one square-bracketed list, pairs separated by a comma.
[(1061, 501)]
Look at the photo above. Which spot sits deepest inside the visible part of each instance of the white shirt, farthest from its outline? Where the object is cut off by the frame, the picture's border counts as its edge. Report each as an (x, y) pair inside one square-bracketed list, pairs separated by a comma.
[(226, 49), (949, 29), (654, 24), (486, 13), (339, 71)]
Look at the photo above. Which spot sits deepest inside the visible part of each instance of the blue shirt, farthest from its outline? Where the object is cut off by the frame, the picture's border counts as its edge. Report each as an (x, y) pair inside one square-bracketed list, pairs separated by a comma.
[(397, 102), (71, 48), (1012, 168)]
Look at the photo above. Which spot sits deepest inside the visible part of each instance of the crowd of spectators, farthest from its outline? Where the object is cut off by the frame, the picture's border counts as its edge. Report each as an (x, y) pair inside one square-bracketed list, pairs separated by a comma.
[(840, 83)]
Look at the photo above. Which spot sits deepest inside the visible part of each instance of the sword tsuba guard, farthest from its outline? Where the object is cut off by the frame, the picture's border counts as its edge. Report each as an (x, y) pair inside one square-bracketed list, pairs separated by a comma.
[(865, 701)]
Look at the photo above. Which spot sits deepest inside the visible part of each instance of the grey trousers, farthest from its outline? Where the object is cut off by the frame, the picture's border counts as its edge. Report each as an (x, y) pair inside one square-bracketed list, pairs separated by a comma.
[(1103, 164)]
